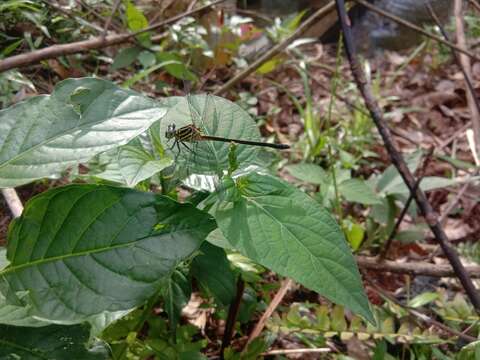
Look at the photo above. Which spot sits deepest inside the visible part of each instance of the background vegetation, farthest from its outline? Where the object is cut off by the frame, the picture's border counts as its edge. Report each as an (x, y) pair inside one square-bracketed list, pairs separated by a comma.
[(83, 174)]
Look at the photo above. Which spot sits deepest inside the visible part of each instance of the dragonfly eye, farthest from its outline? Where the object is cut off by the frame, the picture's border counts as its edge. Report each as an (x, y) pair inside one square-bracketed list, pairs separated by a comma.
[(170, 133)]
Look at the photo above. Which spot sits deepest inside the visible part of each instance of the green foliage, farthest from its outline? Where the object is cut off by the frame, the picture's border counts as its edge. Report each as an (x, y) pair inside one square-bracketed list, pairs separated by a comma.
[(92, 252), (45, 135), (176, 293), (136, 21), (219, 280), (321, 322), (49, 342), (312, 249), (126, 341), (219, 117), (76, 271)]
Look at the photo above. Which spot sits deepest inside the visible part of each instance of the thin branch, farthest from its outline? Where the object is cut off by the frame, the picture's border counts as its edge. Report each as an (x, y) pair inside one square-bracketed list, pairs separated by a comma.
[(277, 299), (475, 4), (86, 45), (394, 231), (277, 48), (78, 19), (421, 316), (397, 159), (413, 267), (464, 64), (112, 14), (415, 28), (451, 205), (13, 201), (232, 316)]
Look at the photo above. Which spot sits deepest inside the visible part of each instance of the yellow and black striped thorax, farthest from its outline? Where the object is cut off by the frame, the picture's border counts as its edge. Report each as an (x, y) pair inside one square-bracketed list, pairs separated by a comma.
[(188, 133)]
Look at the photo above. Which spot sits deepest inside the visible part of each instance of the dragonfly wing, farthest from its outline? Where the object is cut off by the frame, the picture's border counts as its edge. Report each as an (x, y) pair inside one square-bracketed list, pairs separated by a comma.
[(209, 119)]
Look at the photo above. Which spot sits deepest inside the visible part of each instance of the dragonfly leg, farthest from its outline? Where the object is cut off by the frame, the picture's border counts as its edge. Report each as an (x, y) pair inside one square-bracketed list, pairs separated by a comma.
[(174, 143), (178, 148), (187, 147)]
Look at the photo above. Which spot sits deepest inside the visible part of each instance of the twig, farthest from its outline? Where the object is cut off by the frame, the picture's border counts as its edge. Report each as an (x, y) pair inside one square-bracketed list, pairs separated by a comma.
[(394, 231), (475, 4), (192, 4), (277, 299), (297, 351), (13, 201), (413, 267), (232, 316), (85, 45), (415, 28), (424, 318), (466, 67), (456, 199), (464, 64), (276, 49), (112, 14), (72, 16), (397, 159)]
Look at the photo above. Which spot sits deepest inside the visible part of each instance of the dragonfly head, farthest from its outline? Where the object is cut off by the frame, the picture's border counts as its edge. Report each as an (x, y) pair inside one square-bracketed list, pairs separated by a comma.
[(170, 133)]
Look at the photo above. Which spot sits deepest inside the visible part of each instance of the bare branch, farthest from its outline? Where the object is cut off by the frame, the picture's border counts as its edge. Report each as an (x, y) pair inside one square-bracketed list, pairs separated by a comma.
[(277, 48), (86, 45), (397, 159)]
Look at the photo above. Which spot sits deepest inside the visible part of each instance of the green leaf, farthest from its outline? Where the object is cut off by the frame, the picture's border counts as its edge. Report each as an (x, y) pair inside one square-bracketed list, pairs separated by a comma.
[(135, 18), (80, 250), (176, 66), (285, 230), (309, 173), (423, 299), (355, 233), (51, 342), (338, 319), (136, 164), (147, 58), (427, 184), (11, 48), (144, 73), (391, 178), (137, 21), (125, 57), (220, 118), (357, 190), (212, 270), (17, 314), (176, 295), (44, 135)]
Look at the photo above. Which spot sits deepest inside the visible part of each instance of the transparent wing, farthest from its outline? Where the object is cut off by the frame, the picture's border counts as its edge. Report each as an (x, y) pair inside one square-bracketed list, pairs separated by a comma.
[(213, 116)]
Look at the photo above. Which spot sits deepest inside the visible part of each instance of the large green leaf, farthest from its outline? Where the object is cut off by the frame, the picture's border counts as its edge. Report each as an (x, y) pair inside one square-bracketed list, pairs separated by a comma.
[(287, 231), (44, 135), (54, 342), (136, 164), (128, 165), (176, 294), (214, 116), (80, 250), (213, 271), (17, 315)]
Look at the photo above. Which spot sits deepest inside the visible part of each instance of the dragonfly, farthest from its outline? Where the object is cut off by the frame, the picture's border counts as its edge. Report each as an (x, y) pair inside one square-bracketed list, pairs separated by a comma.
[(194, 133)]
